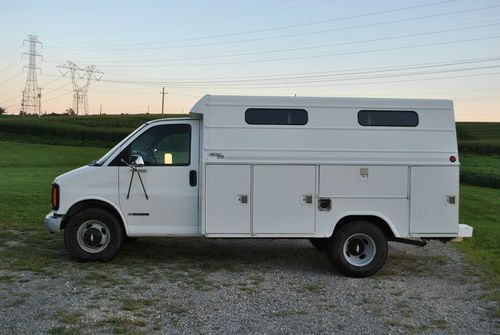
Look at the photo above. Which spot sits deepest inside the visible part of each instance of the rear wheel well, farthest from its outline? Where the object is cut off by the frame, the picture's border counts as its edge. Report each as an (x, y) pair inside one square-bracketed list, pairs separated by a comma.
[(377, 221), (79, 206)]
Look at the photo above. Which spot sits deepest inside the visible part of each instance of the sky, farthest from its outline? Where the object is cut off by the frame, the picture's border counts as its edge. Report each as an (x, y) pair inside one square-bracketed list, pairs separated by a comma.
[(439, 49)]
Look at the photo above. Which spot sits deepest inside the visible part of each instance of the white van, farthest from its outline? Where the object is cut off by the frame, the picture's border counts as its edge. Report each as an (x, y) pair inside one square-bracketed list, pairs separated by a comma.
[(347, 173)]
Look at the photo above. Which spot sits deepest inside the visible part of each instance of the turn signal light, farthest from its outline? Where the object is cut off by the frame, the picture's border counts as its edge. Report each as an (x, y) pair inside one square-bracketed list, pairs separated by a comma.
[(55, 197), (453, 159)]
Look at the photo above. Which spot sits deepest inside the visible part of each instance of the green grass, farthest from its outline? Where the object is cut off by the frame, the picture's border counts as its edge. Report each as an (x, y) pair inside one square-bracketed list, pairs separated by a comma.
[(480, 208), (26, 173)]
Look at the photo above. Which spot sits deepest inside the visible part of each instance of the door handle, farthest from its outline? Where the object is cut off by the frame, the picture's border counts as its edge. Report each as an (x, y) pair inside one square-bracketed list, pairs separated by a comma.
[(307, 198), (193, 178), (242, 198)]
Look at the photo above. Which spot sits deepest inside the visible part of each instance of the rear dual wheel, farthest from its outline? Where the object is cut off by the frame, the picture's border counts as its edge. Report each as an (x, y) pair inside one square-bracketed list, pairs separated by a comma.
[(358, 249)]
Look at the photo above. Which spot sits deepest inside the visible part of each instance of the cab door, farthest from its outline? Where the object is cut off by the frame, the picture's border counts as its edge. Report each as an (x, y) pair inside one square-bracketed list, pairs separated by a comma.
[(166, 202)]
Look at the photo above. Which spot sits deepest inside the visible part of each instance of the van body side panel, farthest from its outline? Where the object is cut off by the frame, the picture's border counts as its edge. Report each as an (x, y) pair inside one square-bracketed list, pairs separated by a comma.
[(393, 211)]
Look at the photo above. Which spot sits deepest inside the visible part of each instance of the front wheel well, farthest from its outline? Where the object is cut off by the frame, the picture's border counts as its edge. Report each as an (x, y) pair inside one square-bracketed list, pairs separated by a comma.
[(377, 221), (79, 206)]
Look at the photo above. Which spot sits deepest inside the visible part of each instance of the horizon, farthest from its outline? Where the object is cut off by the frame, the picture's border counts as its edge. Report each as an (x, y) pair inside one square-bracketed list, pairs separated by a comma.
[(444, 49)]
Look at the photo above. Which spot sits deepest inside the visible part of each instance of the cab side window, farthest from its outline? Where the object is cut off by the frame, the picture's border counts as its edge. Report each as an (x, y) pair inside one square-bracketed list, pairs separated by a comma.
[(164, 145)]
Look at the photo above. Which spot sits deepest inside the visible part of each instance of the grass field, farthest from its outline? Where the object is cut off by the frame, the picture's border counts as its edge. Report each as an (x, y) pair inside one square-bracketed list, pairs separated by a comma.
[(27, 172)]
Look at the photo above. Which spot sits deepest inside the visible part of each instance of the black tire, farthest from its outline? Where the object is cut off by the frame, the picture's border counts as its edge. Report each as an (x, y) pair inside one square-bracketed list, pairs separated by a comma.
[(93, 234), (358, 249), (320, 243)]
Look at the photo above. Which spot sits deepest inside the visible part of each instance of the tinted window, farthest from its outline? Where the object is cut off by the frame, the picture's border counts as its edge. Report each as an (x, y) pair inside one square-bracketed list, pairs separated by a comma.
[(388, 118), (276, 116), (164, 145)]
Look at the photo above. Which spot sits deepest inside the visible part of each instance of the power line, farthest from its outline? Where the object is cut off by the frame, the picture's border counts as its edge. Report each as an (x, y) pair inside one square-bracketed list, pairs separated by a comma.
[(11, 53), (57, 97), (284, 27), (11, 65), (14, 98), (306, 75), (328, 45), (335, 80), (343, 53), (125, 28), (9, 79)]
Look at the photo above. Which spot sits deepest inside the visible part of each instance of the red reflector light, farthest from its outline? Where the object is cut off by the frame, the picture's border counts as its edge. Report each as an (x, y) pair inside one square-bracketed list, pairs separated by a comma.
[(453, 159)]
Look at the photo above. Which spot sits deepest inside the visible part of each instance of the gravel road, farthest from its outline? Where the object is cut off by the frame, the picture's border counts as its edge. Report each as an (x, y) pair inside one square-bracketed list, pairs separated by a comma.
[(200, 286)]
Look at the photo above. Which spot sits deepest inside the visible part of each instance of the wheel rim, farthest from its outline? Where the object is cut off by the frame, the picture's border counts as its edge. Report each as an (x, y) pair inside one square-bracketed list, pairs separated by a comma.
[(359, 249), (93, 236)]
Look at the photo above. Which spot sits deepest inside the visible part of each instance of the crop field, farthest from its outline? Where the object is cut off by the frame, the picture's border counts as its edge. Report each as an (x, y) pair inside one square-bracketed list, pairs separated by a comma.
[(154, 275)]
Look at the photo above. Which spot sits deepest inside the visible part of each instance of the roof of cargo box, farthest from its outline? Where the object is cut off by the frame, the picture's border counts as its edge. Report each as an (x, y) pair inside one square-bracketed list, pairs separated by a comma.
[(293, 101)]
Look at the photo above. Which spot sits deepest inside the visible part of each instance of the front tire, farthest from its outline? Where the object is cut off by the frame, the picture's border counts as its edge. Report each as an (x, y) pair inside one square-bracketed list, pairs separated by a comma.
[(93, 234), (358, 249)]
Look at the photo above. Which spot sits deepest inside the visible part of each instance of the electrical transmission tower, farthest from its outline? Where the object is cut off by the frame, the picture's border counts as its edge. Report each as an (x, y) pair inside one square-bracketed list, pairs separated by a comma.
[(32, 94), (81, 78)]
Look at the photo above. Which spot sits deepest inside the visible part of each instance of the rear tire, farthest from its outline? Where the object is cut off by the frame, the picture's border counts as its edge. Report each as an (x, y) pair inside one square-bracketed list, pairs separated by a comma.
[(93, 234), (358, 249), (320, 243)]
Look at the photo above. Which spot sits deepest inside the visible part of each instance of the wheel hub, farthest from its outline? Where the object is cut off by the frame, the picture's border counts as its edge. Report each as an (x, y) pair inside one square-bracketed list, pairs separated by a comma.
[(359, 249), (92, 237), (356, 247)]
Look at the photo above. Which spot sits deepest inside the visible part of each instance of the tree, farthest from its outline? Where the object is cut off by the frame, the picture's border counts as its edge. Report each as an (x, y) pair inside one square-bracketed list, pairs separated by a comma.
[(2, 110), (70, 112)]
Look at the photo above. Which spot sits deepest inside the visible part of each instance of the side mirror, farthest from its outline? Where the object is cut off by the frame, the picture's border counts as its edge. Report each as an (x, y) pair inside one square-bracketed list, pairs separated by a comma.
[(137, 160)]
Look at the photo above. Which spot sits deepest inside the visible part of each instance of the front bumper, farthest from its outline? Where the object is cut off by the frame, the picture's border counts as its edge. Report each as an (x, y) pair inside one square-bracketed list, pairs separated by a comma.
[(53, 222)]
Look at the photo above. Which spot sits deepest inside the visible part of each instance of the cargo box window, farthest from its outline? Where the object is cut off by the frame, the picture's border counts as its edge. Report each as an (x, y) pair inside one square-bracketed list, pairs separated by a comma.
[(383, 118), (276, 116)]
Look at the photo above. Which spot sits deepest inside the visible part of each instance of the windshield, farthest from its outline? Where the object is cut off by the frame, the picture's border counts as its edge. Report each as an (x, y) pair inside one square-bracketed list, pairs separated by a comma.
[(116, 147)]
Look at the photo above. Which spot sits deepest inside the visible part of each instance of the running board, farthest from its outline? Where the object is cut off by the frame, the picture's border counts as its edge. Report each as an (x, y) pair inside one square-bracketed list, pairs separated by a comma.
[(419, 243)]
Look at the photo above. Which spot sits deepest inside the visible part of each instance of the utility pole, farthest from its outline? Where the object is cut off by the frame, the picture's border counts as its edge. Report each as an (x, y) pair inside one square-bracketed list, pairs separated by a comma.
[(100, 109), (39, 102), (31, 94), (163, 93)]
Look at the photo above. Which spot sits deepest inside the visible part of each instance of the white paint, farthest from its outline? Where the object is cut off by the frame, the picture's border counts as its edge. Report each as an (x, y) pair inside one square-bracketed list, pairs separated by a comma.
[(226, 187), (401, 175)]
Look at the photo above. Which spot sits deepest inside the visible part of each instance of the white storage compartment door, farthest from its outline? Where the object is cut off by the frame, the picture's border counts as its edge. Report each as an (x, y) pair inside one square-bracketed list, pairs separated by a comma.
[(434, 200), (283, 200), (364, 181), (228, 199)]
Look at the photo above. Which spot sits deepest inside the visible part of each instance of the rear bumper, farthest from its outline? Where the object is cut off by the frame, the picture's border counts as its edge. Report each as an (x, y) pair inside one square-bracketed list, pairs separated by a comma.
[(465, 230), (53, 222)]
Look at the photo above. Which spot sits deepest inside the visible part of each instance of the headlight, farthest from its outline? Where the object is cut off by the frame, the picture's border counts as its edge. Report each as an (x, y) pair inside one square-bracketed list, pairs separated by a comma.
[(55, 197)]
